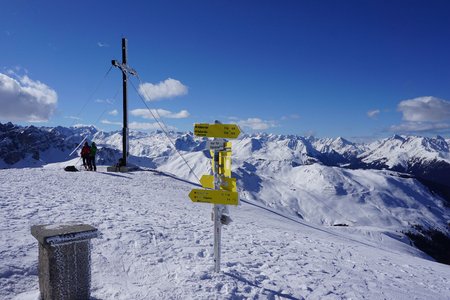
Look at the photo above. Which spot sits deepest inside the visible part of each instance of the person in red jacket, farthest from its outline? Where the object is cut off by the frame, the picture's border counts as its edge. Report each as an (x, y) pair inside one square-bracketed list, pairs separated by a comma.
[(85, 152)]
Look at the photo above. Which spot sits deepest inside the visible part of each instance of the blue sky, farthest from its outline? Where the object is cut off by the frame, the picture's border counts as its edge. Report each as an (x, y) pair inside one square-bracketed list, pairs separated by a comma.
[(358, 69)]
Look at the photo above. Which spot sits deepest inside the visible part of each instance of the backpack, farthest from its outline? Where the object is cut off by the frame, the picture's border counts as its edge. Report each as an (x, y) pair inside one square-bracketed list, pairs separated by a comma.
[(70, 169)]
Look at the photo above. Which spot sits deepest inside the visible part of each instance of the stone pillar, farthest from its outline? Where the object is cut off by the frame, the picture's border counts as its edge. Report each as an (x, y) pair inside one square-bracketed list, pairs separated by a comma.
[(64, 260)]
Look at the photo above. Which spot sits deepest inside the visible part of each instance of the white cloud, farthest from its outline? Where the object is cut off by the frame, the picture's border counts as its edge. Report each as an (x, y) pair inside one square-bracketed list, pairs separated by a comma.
[(107, 122), (15, 71), (290, 117), (83, 125), (101, 45), (424, 114), (24, 99), (73, 118), (138, 125), (257, 124), (425, 109), (146, 126), (420, 127), (165, 89), (114, 112), (373, 113), (309, 133), (145, 113), (107, 101)]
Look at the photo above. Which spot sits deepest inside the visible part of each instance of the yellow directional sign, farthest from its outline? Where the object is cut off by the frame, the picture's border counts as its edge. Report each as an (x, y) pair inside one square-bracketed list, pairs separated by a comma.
[(224, 163), (229, 131), (229, 184), (214, 196), (207, 181)]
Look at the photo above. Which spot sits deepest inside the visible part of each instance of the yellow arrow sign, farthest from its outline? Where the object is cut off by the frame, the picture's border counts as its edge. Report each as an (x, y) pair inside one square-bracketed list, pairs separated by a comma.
[(214, 196), (207, 181), (230, 131), (229, 184)]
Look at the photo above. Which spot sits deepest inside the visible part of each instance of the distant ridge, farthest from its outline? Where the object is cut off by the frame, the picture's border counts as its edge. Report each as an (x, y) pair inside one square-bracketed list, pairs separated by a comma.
[(325, 181)]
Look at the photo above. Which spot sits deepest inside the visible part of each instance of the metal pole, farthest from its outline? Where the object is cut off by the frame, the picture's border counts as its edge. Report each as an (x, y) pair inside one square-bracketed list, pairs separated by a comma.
[(125, 103), (217, 215)]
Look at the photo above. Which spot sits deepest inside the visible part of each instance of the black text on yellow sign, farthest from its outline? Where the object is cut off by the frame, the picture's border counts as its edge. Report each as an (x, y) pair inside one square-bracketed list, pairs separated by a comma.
[(230, 131), (214, 196)]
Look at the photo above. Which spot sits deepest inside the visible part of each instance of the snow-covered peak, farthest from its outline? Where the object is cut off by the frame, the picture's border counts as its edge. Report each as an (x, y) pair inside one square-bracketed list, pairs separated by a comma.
[(63, 131), (400, 150), (84, 130), (269, 148), (338, 145)]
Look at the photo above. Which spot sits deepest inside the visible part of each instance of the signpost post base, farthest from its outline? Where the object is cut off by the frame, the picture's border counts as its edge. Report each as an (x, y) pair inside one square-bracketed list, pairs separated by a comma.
[(217, 237)]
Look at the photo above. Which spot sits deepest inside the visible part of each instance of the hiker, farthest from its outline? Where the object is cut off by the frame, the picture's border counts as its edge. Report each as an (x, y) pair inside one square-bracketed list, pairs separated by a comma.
[(85, 153), (92, 153)]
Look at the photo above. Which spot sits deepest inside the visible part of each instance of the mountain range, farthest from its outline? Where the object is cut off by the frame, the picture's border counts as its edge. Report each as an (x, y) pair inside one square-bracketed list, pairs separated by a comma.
[(397, 185)]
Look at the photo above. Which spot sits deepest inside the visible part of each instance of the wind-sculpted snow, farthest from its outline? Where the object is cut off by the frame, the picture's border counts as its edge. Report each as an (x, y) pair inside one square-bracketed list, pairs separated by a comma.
[(157, 244)]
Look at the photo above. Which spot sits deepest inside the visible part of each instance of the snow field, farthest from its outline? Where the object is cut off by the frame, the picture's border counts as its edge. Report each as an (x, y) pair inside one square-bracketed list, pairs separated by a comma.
[(156, 243)]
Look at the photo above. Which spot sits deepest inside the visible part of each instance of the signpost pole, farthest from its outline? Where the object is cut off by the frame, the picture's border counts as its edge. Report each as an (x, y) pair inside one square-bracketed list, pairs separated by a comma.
[(217, 216), (220, 188)]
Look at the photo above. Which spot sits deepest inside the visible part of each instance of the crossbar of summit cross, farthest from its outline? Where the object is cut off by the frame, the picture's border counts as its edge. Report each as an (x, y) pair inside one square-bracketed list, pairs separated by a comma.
[(125, 71)]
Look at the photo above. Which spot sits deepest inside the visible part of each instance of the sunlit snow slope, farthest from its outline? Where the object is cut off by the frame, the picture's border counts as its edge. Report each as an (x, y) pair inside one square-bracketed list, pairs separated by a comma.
[(157, 244)]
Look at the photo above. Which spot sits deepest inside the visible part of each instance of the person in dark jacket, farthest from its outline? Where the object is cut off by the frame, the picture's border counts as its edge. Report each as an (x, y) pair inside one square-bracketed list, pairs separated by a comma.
[(93, 152), (85, 155)]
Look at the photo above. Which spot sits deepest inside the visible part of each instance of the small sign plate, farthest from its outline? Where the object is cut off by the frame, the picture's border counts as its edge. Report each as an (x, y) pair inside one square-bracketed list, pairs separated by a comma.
[(230, 131), (214, 196), (229, 184), (216, 145)]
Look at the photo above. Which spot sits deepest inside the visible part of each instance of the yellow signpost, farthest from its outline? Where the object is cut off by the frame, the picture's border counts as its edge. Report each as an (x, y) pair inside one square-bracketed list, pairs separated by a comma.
[(214, 197), (223, 188), (230, 131), (228, 184)]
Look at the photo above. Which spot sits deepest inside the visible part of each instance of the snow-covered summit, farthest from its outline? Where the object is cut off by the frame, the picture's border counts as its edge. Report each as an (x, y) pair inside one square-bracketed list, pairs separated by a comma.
[(338, 145), (157, 244), (28, 145), (269, 147), (76, 130), (403, 150)]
